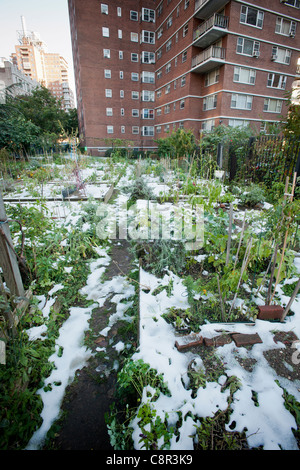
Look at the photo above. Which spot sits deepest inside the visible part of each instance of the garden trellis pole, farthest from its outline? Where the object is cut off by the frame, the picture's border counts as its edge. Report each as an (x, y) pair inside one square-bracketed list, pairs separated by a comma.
[(8, 259)]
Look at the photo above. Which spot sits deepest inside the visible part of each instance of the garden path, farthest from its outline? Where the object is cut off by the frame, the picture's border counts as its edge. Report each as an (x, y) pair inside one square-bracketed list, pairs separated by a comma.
[(88, 398)]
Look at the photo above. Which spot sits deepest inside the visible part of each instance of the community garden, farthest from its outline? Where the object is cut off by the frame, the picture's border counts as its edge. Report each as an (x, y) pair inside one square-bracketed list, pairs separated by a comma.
[(204, 326)]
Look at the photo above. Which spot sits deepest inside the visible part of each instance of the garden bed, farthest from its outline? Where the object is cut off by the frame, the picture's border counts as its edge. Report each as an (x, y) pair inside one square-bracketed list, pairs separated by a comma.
[(200, 349)]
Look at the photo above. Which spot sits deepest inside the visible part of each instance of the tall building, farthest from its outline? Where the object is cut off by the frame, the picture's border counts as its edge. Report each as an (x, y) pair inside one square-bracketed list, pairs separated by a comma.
[(14, 80), (147, 67), (49, 69)]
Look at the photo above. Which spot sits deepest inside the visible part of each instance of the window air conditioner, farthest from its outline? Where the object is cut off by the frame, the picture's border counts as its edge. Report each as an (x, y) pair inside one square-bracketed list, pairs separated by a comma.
[(274, 57), (255, 54)]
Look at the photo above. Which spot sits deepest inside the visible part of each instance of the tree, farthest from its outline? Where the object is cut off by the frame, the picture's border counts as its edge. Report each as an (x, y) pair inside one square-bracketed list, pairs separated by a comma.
[(42, 109), (179, 144)]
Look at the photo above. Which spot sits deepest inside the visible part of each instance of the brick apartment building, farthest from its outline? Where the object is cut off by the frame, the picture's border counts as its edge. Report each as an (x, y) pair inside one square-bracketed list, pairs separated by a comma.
[(145, 68)]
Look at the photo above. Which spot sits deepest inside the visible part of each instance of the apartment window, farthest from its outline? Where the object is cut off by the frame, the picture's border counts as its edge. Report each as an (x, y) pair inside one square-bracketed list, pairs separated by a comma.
[(134, 16), (276, 80), (272, 105), (293, 3), (122, 112), (121, 93), (106, 53), (167, 128), (135, 130), (148, 113), (148, 15), (186, 4), (158, 94), (121, 55), (119, 11), (168, 45), (107, 73), (134, 76), (160, 9), (183, 81), (281, 55), (104, 8), (182, 104), (168, 67), (251, 16), (135, 95), (134, 37), (109, 111), (167, 89), (108, 93), (169, 22), (212, 77), (120, 34), (148, 57), (148, 37), (209, 102), (158, 130), (160, 32), (185, 30), (122, 129), (238, 123), (135, 113), (148, 131), (208, 125), (105, 32), (121, 74), (134, 57), (159, 74), (184, 56), (167, 109), (159, 53), (110, 129), (158, 112), (148, 77), (285, 27), (244, 75), (239, 101), (247, 47), (147, 95)]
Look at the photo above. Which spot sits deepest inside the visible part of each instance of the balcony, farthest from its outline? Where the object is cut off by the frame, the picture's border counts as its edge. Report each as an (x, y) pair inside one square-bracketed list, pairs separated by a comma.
[(211, 30), (205, 8), (208, 59)]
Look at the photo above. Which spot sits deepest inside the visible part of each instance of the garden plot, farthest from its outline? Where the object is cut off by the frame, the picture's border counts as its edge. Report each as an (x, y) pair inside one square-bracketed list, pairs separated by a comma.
[(179, 303)]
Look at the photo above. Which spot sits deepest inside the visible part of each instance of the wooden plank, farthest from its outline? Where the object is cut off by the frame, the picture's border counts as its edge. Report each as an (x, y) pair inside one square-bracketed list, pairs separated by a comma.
[(8, 258), (109, 194), (2, 352)]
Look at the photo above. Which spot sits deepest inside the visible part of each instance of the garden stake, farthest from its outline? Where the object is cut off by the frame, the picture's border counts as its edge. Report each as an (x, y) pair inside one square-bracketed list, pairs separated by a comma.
[(229, 234), (240, 242), (274, 258), (221, 300), (244, 266), (291, 300), (285, 237)]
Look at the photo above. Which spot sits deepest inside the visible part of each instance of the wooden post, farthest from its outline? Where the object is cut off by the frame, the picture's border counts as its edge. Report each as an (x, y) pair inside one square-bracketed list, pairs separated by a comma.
[(8, 259)]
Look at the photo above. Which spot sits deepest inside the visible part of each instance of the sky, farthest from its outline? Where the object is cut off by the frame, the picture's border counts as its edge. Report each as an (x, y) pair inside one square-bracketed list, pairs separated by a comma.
[(50, 18)]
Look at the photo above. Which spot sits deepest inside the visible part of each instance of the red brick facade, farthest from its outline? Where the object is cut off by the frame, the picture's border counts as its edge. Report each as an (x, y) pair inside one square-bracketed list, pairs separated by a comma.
[(180, 63)]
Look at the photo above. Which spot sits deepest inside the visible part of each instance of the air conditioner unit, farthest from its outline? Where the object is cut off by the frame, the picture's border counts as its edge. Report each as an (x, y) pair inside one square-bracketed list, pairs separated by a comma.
[(292, 34), (255, 54), (274, 57)]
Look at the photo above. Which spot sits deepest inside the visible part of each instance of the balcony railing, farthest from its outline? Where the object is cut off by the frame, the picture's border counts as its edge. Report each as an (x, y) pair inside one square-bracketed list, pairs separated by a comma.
[(212, 53), (205, 8), (215, 21)]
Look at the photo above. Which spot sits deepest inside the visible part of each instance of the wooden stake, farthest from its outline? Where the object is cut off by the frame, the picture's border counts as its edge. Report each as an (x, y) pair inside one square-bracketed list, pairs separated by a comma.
[(291, 300), (229, 234), (8, 259)]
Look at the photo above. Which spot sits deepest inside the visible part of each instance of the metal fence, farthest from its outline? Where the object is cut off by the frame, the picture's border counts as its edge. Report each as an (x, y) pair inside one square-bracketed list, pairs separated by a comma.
[(265, 159)]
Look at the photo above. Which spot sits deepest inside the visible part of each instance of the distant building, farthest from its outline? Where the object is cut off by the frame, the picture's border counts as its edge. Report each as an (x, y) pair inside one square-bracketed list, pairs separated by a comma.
[(145, 68), (14, 80), (49, 69)]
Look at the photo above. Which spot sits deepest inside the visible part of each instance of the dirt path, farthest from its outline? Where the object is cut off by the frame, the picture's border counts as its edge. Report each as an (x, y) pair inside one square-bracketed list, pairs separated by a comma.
[(88, 398)]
